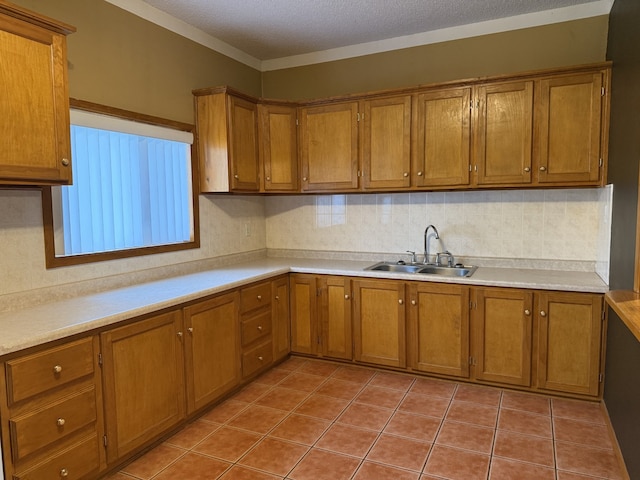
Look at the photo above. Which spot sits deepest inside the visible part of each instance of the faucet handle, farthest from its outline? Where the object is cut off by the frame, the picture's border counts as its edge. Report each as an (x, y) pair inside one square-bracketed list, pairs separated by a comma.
[(413, 256), (450, 258)]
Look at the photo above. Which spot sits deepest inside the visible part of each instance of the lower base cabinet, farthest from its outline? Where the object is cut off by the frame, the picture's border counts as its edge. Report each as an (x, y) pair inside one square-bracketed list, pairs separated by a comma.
[(143, 375)]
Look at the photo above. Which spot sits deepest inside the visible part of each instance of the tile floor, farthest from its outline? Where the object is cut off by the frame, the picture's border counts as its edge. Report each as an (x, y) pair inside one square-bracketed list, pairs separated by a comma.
[(314, 420)]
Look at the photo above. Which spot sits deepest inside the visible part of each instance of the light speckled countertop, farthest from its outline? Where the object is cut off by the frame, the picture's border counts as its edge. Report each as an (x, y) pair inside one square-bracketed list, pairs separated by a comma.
[(37, 325)]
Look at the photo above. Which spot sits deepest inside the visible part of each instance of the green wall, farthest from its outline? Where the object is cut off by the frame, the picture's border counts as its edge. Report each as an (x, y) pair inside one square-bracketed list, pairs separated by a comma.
[(558, 45), (120, 60)]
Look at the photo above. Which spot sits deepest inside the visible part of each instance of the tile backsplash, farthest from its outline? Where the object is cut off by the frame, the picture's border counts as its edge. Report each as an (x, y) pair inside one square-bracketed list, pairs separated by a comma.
[(562, 224)]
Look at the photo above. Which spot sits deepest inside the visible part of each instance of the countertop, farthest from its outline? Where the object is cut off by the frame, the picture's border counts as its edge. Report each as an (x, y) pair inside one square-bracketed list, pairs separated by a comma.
[(47, 322)]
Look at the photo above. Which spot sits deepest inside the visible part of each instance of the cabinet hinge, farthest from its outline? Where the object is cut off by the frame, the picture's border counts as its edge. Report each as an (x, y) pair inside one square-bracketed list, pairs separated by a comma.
[(600, 378), (104, 441), (318, 292), (319, 340), (358, 116), (470, 360), (602, 91), (100, 359), (602, 315), (601, 163), (297, 122)]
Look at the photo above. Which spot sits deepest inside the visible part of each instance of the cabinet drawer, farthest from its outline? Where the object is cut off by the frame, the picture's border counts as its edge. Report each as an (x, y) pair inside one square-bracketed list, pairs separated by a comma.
[(28, 376), (256, 327), (38, 429), (74, 463), (255, 297), (256, 358)]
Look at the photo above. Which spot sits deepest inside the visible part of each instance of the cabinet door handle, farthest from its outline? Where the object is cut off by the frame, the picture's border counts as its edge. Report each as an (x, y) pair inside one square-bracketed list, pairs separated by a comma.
[(268, 179), (413, 302), (527, 169), (260, 358), (190, 330), (65, 162), (304, 179), (236, 176), (259, 328), (259, 297), (179, 334), (543, 313), (60, 422), (401, 302), (277, 298), (347, 297), (405, 174), (64, 473), (543, 169), (420, 173), (57, 369), (527, 312)]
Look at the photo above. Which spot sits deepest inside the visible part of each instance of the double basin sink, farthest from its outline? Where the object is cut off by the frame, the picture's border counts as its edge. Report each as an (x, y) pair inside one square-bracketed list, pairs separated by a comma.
[(456, 271)]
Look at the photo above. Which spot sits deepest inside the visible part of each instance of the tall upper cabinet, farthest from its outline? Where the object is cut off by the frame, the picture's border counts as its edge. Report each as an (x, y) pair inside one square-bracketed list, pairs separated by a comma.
[(34, 111)]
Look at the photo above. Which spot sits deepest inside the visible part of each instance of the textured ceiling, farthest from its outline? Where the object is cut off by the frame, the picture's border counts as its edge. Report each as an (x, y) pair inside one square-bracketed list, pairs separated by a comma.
[(269, 29)]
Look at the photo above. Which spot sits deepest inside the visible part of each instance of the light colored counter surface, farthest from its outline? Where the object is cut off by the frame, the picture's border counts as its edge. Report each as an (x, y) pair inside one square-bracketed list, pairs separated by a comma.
[(37, 325)]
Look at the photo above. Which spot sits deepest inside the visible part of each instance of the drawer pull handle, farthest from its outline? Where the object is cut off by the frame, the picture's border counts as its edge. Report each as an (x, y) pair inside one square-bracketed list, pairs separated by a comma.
[(57, 369), (64, 473), (277, 298), (259, 328), (60, 422), (259, 297), (260, 358)]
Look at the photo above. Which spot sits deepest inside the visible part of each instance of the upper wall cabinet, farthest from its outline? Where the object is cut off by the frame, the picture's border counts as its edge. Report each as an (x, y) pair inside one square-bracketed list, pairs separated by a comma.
[(34, 111), (329, 147), (227, 129), (279, 146)]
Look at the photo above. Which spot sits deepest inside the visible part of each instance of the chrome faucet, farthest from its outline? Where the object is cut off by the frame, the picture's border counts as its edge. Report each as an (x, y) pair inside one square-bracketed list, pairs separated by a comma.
[(426, 242)]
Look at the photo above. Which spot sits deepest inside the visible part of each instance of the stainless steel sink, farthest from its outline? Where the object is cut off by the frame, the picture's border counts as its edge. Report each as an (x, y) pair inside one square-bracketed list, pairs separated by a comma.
[(457, 271)]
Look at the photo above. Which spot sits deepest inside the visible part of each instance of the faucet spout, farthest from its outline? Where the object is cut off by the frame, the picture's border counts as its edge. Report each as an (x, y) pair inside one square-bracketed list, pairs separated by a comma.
[(426, 241)]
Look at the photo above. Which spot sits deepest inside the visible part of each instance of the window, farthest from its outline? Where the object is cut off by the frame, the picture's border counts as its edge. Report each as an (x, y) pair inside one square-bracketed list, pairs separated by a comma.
[(132, 191)]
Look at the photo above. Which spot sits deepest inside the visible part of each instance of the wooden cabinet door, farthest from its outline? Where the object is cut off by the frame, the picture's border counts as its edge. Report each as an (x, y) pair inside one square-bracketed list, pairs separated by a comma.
[(335, 317), (442, 121), (568, 129), (243, 144), (379, 322), (503, 132), (34, 111), (143, 375), (329, 147), (279, 147), (439, 328), (502, 335), (304, 313), (212, 349), (280, 318), (569, 342), (386, 143)]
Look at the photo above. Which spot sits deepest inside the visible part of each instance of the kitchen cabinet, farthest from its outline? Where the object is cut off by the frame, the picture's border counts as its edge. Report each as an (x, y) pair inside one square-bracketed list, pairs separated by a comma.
[(570, 129), (379, 322), (51, 404), (321, 316), (442, 132), (34, 112), (255, 328), (278, 147), (212, 349), (571, 330), (227, 138), (143, 375), (438, 337), (280, 317), (329, 147), (502, 133), (502, 335), (386, 143)]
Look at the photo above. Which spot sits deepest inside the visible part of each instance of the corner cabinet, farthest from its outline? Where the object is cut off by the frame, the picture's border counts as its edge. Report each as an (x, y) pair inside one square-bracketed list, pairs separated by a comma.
[(34, 111)]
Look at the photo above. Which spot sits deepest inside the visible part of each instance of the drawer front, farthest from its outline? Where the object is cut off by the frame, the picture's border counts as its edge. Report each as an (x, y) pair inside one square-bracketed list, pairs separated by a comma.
[(74, 463), (256, 327), (255, 297), (257, 358), (37, 373), (36, 430)]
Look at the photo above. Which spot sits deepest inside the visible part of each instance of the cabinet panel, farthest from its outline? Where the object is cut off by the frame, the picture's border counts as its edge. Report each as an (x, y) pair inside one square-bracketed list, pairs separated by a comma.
[(379, 322), (279, 147), (329, 147), (34, 112), (143, 382), (304, 329), (568, 129), (443, 129), (439, 326), (336, 317), (503, 132), (569, 342), (280, 318), (386, 143), (212, 352), (502, 325), (243, 144)]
